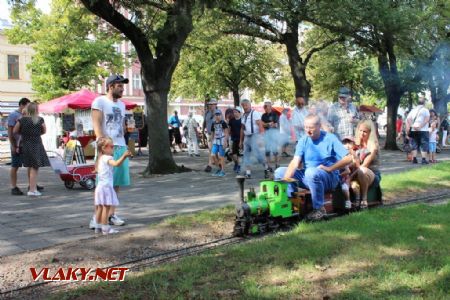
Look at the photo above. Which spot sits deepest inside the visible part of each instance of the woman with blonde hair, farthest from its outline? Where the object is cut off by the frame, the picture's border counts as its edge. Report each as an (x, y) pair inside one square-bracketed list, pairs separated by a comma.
[(31, 127), (366, 161)]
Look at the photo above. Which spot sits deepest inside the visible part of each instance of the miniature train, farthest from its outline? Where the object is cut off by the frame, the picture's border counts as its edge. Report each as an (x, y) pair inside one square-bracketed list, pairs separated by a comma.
[(271, 208)]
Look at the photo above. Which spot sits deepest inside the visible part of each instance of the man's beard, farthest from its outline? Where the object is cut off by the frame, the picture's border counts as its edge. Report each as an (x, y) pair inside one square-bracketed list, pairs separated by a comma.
[(117, 95)]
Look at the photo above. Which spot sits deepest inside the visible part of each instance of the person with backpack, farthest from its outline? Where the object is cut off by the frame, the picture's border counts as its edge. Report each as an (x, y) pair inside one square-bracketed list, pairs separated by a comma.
[(417, 130)]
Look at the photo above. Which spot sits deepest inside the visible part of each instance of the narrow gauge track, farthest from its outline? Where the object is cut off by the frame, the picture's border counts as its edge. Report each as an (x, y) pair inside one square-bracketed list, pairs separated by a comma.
[(175, 254)]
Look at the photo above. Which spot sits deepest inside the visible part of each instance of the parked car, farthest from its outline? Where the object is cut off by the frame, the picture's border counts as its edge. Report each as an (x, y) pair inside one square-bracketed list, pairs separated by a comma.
[(3, 133)]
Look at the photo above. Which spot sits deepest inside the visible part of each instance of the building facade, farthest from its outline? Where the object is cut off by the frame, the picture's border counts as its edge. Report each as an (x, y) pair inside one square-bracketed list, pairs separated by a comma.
[(15, 78)]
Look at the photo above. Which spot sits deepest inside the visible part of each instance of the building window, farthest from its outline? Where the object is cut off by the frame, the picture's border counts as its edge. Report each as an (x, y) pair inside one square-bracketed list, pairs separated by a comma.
[(137, 82), (13, 66)]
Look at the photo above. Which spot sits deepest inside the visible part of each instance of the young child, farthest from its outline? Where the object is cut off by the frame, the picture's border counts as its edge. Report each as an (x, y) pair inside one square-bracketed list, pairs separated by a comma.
[(105, 195), (434, 123), (219, 138), (349, 144)]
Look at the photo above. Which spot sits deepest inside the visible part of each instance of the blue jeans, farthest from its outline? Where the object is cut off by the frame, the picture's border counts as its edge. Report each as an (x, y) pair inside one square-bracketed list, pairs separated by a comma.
[(317, 181)]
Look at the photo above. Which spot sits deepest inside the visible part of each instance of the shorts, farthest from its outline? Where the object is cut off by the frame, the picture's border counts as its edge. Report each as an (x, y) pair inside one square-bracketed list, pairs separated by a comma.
[(177, 135), (422, 139), (432, 147), (235, 147), (16, 160), (218, 149), (121, 175)]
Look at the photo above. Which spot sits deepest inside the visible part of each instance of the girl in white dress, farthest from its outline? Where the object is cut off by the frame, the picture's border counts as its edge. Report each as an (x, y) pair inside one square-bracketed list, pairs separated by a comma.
[(105, 195)]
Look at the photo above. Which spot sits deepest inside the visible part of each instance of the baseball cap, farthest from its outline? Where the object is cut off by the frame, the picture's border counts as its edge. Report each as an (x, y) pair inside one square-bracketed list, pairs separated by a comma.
[(212, 101), (344, 92), (218, 112), (116, 78), (267, 102)]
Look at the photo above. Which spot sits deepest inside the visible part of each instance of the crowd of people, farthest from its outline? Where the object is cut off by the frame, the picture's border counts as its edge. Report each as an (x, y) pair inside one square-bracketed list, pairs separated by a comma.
[(333, 145)]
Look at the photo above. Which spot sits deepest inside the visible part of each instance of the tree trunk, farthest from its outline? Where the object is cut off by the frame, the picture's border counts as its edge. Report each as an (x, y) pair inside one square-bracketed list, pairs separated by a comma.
[(392, 88), (298, 68), (236, 97), (160, 159)]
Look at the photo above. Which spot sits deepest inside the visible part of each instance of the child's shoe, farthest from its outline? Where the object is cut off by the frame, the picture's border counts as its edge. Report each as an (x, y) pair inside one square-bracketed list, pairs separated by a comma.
[(109, 230), (221, 173), (348, 204)]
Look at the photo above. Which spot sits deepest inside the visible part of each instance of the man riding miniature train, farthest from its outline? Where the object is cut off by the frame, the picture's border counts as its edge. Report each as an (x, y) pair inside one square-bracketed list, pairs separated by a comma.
[(315, 150)]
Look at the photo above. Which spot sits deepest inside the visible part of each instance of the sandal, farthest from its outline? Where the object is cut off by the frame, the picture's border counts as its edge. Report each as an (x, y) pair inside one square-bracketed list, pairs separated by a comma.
[(363, 205)]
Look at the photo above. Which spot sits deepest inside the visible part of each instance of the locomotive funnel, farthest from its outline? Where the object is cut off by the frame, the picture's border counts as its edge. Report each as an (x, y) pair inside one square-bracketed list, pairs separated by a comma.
[(241, 180)]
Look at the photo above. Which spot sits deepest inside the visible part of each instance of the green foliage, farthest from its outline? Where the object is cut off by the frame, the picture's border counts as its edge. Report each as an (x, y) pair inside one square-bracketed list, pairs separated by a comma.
[(72, 48), (213, 64)]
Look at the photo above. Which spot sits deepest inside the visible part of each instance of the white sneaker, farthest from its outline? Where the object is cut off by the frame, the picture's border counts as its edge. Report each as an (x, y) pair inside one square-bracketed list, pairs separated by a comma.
[(109, 231), (34, 194), (93, 223), (348, 204), (115, 220), (98, 230)]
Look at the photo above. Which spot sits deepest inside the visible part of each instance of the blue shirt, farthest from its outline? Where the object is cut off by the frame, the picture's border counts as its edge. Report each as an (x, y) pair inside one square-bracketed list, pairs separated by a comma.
[(326, 150), (174, 121)]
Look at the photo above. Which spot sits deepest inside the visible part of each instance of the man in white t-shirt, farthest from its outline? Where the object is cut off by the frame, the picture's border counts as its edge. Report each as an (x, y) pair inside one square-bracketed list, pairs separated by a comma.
[(417, 128), (108, 120), (298, 117), (252, 140)]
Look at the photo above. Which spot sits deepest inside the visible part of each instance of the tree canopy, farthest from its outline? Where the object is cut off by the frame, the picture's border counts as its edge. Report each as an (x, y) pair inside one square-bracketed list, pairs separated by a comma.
[(70, 44)]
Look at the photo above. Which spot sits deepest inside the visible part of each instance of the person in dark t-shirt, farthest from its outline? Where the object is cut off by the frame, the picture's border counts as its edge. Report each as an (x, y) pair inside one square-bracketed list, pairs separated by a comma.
[(219, 138), (235, 132), (270, 121)]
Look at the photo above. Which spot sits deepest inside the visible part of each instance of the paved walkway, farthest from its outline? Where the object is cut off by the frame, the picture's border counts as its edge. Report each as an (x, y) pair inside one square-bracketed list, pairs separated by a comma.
[(62, 215)]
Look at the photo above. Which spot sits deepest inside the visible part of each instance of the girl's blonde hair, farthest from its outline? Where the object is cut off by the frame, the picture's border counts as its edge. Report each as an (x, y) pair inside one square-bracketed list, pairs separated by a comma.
[(32, 111), (102, 143), (372, 142)]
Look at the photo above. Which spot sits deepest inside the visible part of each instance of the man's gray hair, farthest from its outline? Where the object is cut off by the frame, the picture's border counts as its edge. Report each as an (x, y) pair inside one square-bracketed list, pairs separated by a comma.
[(246, 101), (313, 117)]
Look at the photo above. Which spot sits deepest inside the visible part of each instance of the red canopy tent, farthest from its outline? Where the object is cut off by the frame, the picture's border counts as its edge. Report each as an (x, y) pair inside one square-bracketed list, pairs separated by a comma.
[(78, 100)]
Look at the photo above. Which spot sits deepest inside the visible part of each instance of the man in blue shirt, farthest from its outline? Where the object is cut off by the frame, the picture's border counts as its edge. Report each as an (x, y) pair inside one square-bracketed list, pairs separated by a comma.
[(174, 128), (314, 150)]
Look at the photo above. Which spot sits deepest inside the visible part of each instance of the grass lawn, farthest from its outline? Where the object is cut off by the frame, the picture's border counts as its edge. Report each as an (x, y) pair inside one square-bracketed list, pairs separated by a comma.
[(436, 176), (382, 253), (385, 253)]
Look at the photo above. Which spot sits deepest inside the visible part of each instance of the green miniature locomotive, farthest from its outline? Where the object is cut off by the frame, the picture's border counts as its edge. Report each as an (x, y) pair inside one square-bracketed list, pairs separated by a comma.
[(271, 208)]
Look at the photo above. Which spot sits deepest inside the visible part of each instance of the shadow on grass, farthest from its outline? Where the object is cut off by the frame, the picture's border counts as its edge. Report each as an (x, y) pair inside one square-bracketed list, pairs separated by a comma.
[(399, 252)]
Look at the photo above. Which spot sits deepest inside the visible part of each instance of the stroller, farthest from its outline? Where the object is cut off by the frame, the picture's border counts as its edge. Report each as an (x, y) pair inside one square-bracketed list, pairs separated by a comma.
[(81, 173)]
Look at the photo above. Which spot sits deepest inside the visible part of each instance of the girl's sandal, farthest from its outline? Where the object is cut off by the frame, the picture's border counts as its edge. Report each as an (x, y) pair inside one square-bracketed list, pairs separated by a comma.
[(363, 205)]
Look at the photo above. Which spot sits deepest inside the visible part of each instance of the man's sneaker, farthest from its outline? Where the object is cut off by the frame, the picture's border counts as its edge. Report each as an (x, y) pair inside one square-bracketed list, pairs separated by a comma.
[(414, 161), (115, 220), (109, 230), (34, 194), (208, 169), (220, 173), (93, 223), (197, 155), (316, 214), (424, 161), (348, 204), (16, 191)]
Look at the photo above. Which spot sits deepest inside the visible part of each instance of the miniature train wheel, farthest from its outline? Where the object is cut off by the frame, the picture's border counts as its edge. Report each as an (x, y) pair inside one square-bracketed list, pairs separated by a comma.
[(89, 184), (69, 184)]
